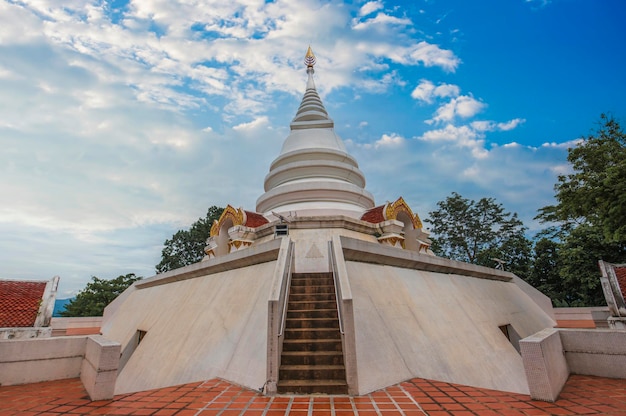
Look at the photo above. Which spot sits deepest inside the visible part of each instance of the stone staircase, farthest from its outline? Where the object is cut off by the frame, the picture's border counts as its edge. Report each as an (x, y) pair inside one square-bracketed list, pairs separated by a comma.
[(312, 357)]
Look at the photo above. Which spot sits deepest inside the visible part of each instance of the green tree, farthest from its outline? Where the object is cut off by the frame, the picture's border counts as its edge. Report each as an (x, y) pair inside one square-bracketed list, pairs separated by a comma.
[(187, 246), (578, 256), (589, 218), (595, 193), (98, 293), (545, 274), (478, 232)]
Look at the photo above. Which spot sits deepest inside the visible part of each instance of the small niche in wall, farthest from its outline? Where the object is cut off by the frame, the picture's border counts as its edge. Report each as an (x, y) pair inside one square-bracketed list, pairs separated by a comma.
[(511, 334), (140, 335)]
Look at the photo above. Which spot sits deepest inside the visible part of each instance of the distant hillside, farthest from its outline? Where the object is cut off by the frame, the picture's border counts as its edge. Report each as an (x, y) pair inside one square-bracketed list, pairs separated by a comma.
[(59, 305)]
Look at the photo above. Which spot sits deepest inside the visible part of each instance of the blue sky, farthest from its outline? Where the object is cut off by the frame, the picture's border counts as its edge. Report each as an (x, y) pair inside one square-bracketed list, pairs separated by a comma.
[(121, 122)]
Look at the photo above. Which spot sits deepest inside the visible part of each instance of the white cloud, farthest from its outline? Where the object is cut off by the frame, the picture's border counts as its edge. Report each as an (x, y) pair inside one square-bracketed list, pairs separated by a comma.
[(381, 19), (252, 125), (564, 145), (426, 91), (463, 106), (511, 124), (389, 140), (370, 7)]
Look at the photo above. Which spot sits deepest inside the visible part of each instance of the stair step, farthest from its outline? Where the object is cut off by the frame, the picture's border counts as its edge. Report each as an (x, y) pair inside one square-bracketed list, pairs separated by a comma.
[(312, 313), (312, 289), (300, 305), (312, 386), (312, 358), (312, 297), (312, 323), (312, 333), (312, 372), (312, 345)]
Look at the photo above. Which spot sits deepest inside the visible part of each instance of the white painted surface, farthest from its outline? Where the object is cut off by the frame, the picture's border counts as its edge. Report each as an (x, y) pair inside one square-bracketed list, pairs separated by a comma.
[(412, 323), (43, 359), (196, 329)]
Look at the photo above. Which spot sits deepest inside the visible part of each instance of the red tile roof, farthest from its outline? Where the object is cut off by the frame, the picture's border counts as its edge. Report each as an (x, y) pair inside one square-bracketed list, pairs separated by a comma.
[(374, 215), (254, 219), (620, 273), (19, 302)]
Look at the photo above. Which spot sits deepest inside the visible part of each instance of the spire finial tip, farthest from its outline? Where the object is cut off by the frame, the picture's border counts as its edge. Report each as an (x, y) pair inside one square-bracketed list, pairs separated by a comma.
[(309, 58)]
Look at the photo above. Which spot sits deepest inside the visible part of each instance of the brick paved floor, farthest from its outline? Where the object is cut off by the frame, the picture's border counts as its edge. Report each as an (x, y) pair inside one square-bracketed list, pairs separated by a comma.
[(581, 395)]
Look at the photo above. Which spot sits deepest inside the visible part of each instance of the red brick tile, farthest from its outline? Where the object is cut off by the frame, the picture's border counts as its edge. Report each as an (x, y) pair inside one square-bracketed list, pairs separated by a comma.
[(430, 407), (322, 412), (535, 412), (231, 412), (386, 406), (146, 412)]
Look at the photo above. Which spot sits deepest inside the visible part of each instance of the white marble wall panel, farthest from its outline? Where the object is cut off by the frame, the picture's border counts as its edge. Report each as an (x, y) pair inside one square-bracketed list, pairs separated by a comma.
[(412, 323)]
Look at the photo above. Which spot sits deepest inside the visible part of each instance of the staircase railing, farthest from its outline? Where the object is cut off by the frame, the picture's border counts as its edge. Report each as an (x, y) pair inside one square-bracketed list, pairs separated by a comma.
[(333, 268), (345, 311), (284, 292), (277, 310)]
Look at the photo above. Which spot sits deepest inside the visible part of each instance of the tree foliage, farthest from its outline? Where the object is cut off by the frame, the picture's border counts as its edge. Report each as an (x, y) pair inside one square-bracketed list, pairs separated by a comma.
[(98, 293), (545, 274), (588, 222), (595, 193), (479, 231), (187, 246)]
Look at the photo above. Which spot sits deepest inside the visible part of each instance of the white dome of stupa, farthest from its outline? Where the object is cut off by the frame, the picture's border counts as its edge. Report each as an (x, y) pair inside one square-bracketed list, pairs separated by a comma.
[(314, 174)]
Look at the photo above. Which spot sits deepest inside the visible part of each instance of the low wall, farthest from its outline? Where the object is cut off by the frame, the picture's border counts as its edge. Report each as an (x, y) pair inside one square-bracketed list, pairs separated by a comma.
[(94, 359), (26, 361), (550, 355), (595, 353), (584, 317), (76, 326)]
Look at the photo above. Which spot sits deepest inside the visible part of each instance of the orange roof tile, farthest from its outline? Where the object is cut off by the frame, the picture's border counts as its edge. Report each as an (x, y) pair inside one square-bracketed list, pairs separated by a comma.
[(254, 219), (374, 215), (19, 302)]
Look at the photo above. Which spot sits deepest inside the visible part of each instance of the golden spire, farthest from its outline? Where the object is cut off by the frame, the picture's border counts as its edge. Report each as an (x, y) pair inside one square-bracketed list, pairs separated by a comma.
[(309, 58)]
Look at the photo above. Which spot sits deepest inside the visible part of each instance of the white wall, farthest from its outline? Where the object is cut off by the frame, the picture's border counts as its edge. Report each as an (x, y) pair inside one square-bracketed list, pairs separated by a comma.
[(196, 329), (412, 323)]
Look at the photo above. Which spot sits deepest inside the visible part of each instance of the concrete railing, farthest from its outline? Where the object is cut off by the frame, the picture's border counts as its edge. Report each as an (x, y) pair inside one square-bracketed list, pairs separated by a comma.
[(276, 312), (551, 355), (98, 371), (345, 305), (544, 363), (94, 359)]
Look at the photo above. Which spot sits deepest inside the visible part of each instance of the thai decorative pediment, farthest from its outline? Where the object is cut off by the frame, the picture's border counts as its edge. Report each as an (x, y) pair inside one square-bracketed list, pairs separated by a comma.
[(237, 216), (392, 210)]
